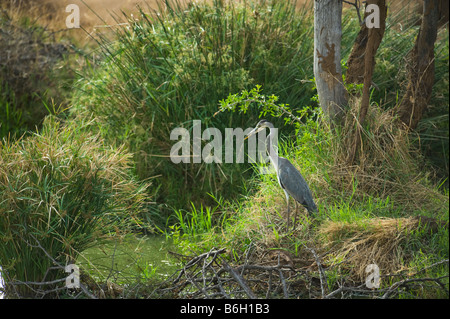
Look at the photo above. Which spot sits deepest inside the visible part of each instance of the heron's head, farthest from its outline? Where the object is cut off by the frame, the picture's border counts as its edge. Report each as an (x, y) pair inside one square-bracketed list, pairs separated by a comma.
[(259, 127)]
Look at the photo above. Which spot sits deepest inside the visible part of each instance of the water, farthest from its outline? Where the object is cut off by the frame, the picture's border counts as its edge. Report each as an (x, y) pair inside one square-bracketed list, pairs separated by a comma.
[(133, 258)]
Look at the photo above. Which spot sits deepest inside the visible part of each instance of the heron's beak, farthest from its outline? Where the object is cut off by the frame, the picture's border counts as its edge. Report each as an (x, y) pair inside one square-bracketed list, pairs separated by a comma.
[(254, 131)]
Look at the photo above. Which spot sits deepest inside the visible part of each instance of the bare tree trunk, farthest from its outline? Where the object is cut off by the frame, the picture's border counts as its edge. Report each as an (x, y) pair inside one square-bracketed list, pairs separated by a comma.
[(327, 57), (421, 68), (375, 35), (356, 60)]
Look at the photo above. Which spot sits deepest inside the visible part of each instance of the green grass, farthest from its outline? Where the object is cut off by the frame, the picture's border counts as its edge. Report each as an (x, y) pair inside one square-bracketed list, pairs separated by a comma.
[(164, 71)]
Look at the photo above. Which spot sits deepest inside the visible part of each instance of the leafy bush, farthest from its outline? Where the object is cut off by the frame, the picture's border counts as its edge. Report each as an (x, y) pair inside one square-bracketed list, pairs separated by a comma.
[(60, 191)]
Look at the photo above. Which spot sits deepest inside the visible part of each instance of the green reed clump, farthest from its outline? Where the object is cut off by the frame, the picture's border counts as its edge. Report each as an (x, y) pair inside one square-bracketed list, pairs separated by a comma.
[(61, 190)]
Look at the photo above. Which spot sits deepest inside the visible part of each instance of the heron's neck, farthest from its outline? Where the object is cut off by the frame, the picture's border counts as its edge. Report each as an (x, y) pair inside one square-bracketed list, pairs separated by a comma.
[(273, 155)]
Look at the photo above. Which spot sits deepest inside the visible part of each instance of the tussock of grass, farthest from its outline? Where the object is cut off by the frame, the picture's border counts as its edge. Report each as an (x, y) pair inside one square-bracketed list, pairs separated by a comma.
[(67, 188), (392, 244), (61, 189), (373, 241)]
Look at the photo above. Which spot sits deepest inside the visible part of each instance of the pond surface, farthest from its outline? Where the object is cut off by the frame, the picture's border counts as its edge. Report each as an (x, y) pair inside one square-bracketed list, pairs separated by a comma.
[(130, 260)]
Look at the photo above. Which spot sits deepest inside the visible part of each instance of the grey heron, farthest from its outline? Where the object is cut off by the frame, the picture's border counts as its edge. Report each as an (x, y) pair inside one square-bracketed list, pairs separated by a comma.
[(289, 178)]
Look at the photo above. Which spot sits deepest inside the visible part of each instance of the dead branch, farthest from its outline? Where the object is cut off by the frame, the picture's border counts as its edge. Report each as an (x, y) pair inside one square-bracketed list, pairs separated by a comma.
[(396, 287), (239, 280), (323, 278), (357, 5), (209, 275)]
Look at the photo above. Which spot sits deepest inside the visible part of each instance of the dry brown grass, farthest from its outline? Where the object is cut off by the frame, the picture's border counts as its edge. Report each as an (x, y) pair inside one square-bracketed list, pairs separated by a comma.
[(372, 241), (93, 12), (96, 14)]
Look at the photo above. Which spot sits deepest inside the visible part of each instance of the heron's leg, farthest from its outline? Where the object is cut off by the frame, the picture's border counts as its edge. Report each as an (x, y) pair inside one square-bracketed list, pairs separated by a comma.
[(288, 215), (287, 202), (296, 212)]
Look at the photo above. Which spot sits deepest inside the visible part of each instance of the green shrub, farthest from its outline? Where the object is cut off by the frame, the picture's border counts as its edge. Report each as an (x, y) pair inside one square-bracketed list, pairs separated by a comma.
[(61, 190)]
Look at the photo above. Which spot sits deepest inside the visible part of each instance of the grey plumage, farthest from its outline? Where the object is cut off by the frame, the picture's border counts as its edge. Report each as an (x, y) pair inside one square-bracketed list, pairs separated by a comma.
[(292, 182), (289, 178)]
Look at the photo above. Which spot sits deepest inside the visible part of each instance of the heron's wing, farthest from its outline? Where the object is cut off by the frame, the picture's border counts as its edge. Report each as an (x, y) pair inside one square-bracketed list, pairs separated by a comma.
[(293, 182)]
